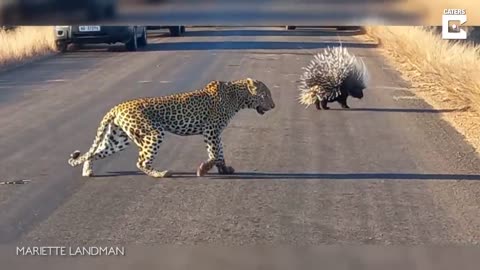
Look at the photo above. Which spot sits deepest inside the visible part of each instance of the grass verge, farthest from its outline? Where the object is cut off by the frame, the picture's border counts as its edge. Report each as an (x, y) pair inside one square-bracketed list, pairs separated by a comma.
[(24, 43), (444, 74)]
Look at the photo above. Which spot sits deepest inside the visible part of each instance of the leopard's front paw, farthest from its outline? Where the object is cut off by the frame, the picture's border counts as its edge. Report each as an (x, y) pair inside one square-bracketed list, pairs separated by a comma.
[(161, 174), (225, 169), (204, 168)]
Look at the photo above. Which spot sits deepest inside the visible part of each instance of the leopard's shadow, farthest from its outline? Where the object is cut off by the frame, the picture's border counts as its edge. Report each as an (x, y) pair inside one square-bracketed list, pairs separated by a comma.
[(313, 176), (139, 173)]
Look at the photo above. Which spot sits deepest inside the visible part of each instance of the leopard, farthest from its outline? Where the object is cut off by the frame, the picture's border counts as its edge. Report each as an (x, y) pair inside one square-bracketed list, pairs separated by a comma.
[(145, 121)]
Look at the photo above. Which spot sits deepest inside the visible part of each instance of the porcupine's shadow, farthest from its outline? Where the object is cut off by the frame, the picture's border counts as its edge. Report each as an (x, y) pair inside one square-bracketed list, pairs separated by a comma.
[(345, 176), (399, 110), (252, 45)]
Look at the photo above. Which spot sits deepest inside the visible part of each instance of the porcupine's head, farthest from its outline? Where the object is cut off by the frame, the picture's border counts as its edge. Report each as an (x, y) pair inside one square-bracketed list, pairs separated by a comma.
[(356, 78), (331, 73)]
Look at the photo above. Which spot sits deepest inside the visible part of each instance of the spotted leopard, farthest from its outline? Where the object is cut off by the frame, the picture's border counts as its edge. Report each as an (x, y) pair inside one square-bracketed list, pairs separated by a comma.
[(144, 121)]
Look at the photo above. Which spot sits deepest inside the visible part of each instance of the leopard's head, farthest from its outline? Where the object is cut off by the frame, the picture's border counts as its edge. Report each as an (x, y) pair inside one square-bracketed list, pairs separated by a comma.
[(259, 96)]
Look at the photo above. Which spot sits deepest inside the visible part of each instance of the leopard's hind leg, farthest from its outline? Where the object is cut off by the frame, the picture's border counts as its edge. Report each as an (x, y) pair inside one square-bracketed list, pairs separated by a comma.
[(148, 142), (76, 158), (114, 140)]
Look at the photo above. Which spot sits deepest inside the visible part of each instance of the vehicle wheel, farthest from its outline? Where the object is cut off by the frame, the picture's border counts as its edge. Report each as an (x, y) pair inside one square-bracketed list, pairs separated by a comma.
[(77, 46), (182, 29), (143, 40), (290, 27), (61, 46), (132, 44), (175, 31)]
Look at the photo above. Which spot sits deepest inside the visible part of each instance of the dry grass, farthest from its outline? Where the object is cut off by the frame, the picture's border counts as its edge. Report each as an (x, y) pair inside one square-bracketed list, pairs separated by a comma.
[(444, 74), (25, 42)]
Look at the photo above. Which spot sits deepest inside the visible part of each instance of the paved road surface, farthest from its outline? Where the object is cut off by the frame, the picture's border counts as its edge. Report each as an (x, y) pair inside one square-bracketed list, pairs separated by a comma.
[(260, 13), (245, 13), (387, 172)]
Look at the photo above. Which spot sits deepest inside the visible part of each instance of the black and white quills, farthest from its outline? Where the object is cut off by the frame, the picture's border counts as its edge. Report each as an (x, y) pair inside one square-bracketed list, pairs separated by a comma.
[(333, 75)]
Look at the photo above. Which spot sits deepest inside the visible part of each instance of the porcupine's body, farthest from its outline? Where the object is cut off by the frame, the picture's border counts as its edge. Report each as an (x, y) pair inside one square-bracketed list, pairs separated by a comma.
[(332, 75)]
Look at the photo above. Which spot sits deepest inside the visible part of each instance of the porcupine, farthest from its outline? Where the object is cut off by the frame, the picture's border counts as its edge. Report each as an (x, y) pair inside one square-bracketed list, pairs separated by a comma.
[(333, 75)]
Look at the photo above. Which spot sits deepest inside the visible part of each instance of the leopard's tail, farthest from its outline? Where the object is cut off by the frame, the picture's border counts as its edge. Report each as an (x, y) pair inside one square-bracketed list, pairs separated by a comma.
[(76, 158)]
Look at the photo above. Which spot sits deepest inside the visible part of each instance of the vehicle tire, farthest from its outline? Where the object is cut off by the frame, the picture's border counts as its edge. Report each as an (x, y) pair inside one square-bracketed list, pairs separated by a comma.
[(290, 27), (175, 31), (61, 46), (132, 44), (182, 29), (77, 46), (143, 40)]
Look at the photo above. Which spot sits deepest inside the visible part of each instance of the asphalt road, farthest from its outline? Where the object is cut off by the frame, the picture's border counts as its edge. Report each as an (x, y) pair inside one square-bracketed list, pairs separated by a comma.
[(261, 13), (387, 172), (241, 13)]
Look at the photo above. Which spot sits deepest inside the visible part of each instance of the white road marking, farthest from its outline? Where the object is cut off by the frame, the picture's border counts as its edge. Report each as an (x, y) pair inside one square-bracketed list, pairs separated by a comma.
[(406, 97), (391, 88), (57, 80), (15, 182), (144, 81)]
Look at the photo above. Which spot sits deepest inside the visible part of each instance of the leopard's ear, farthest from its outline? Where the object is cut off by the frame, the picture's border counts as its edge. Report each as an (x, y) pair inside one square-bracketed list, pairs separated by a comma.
[(213, 84), (252, 86)]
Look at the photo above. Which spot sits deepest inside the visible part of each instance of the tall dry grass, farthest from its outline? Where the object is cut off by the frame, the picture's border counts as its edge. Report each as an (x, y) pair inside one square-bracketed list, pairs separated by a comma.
[(445, 74), (25, 42)]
